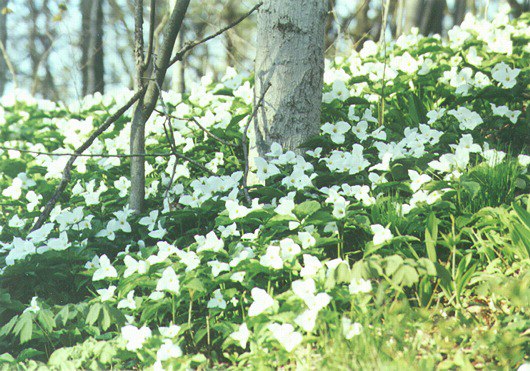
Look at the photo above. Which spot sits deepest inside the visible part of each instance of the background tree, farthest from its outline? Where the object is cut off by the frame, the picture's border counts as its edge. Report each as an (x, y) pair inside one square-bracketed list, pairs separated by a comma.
[(153, 84), (3, 40), (92, 61), (290, 57), (40, 42)]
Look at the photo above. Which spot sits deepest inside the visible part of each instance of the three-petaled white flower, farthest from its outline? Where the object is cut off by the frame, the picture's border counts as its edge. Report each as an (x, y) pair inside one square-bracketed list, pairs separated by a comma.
[(262, 302), (105, 270), (169, 281)]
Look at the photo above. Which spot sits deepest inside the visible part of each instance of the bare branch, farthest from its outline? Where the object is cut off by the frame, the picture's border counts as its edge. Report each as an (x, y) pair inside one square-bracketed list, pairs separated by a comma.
[(190, 45), (244, 141), (8, 63), (68, 167)]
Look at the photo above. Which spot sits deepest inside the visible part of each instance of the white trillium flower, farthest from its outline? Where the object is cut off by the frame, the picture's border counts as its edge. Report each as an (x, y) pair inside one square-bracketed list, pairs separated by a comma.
[(209, 242), (306, 239), (106, 294), (218, 267), (381, 234), (286, 335), (358, 285), (241, 335), (33, 306), (307, 320), (311, 266), (262, 302), (418, 180), (468, 119), (105, 270), (169, 281), (150, 220), (272, 258), (235, 210), (134, 266), (128, 302), (336, 131), (134, 336), (350, 329), (170, 331), (168, 350), (505, 75), (217, 300), (289, 249)]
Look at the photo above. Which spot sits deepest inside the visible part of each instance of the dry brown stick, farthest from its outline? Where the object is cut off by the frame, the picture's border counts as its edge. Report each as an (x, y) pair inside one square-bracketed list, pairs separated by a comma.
[(68, 167), (190, 45), (244, 141)]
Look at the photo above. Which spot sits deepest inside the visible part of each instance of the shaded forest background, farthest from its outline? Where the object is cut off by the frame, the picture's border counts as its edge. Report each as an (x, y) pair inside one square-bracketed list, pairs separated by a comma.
[(65, 50)]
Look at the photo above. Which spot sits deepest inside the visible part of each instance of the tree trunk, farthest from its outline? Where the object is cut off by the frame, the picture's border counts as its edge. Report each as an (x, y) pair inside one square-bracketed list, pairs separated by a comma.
[(430, 20), (290, 56), (459, 11), (147, 104), (363, 24), (411, 13), (3, 39), (92, 64), (178, 81), (228, 16)]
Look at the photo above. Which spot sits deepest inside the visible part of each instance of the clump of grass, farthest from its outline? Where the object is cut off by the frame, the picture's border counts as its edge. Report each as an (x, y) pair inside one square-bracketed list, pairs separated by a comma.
[(489, 186)]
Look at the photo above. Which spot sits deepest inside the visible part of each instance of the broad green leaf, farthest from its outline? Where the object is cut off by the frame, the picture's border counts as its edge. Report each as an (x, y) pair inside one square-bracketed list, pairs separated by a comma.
[(306, 208), (393, 263), (405, 276), (523, 214), (523, 235), (105, 319), (45, 319), (29, 353), (93, 314), (431, 237), (6, 329), (445, 279), (195, 285), (6, 358), (24, 327), (343, 273), (425, 291), (62, 316)]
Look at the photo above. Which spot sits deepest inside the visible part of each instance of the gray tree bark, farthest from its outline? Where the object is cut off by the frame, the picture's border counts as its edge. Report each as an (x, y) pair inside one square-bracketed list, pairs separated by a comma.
[(290, 57), (426, 15), (3, 39), (92, 63), (459, 11), (178, 81), (430, 20), (147, 104)]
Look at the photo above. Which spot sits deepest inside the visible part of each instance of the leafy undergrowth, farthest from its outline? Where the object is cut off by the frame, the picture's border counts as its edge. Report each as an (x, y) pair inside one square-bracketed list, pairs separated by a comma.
[(400, 237)]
